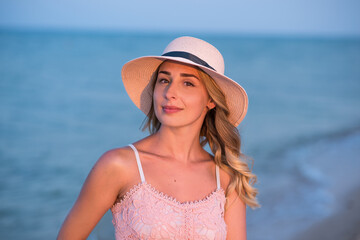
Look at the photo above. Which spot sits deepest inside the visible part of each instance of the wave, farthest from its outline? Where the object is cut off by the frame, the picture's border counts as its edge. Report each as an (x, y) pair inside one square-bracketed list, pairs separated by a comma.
[(308, 140), (306, 184)]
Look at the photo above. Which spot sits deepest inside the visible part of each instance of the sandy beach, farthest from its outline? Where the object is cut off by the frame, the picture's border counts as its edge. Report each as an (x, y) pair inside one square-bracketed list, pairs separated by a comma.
[(344, 224), (340, 162)]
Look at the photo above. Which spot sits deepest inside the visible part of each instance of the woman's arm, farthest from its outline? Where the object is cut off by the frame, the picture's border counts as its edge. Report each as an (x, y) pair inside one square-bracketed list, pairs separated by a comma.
[(235, 218), (97, 195)]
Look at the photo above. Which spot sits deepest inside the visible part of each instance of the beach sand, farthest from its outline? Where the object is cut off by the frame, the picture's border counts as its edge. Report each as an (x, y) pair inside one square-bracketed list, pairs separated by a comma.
[(341, 162), (343, 225)]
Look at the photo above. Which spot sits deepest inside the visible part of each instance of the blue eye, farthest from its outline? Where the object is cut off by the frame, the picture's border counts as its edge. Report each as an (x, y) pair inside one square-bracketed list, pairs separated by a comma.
[(189, 84)]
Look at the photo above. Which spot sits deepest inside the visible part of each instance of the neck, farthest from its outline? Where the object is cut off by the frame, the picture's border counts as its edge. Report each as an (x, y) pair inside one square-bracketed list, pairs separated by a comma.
[(181, 144)]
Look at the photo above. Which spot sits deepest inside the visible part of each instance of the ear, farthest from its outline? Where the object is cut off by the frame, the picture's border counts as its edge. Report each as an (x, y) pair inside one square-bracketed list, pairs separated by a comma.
[(211, 104)]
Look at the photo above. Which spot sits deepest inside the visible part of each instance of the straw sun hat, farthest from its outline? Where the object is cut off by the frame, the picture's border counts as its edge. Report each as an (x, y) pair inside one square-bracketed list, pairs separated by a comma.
[(137, 73)]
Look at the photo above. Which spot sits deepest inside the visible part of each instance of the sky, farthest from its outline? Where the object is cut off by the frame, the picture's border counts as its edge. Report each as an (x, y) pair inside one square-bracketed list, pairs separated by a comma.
[(300, 17)]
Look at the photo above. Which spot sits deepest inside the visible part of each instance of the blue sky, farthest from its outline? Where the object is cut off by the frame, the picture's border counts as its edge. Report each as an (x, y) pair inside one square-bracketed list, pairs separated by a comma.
[(314, 17)]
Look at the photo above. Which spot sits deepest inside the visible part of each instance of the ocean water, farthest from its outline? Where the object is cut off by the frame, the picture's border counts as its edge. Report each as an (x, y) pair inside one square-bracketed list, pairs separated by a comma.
[(63, 105)]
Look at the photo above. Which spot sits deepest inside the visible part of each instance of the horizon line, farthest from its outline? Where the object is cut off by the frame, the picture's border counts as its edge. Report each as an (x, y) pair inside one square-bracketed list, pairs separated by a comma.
[(117, 31)]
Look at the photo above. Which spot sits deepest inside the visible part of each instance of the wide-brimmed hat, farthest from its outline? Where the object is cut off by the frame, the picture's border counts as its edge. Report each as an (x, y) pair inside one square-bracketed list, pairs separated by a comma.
[(137, 73)]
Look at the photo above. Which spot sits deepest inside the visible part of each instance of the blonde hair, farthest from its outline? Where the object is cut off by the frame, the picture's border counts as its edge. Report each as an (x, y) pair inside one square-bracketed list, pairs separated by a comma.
[(223, 139)]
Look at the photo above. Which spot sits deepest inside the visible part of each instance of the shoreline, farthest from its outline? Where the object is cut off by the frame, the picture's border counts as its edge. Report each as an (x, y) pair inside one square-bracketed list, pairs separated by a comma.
[(340, 162), (344, 224), (314, 192)]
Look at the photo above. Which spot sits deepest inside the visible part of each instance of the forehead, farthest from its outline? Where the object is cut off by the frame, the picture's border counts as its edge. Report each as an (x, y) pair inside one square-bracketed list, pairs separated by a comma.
[(178, 67)]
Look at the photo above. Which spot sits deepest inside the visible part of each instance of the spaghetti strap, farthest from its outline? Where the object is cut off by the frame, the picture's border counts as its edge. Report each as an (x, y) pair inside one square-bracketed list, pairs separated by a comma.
[(217, 177), (138, 163)]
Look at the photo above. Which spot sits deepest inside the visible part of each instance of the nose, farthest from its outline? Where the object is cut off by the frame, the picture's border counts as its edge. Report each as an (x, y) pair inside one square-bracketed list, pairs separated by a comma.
[(170, 91)]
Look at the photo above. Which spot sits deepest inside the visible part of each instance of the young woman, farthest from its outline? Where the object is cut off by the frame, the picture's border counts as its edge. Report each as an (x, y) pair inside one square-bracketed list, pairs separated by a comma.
[(166, 186)]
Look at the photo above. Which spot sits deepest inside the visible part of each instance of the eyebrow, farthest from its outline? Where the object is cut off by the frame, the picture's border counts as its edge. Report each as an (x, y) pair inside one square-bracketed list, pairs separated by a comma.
[(189, 75), (181, 74)]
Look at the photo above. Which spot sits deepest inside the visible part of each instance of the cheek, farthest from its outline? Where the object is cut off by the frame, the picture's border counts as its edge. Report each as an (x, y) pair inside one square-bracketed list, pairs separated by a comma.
[(197, 101)]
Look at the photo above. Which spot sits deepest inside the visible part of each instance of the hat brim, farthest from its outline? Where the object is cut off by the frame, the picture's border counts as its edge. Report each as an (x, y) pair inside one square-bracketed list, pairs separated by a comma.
[(136, 75)]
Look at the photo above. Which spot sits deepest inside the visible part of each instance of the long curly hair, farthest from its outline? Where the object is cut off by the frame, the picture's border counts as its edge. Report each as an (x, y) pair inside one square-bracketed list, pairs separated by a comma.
[(223, 139)]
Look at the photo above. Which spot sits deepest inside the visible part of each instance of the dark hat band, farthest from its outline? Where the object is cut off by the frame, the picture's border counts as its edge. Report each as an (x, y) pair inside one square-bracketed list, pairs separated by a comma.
[(188, 56)]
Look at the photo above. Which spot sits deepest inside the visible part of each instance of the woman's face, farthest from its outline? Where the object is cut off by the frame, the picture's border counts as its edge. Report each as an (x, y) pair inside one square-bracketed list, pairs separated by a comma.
[(180, 97)]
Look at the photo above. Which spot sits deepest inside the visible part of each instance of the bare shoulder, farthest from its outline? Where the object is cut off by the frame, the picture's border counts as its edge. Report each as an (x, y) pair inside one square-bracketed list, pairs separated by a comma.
[(232, 197), (117, 157), (107, 178), (117, 163)]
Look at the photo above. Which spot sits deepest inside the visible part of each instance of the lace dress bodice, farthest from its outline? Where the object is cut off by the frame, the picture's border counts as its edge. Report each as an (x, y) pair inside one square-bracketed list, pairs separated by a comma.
[(145, 213)]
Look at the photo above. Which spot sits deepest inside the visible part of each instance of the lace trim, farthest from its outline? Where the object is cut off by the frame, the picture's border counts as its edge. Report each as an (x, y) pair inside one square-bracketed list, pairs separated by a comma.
[(164, 196), (171, 199), (127, 195)]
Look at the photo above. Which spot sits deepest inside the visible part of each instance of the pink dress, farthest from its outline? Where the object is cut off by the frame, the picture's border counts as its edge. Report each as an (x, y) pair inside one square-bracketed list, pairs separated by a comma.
[(145, 213)]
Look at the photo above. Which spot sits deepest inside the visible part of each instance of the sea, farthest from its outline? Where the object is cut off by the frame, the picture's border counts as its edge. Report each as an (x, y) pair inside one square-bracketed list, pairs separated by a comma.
[(63, 104)]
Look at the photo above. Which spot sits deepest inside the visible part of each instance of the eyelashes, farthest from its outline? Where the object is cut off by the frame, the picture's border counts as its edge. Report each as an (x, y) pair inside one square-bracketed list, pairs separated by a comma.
[(186, 83), (189, 84)]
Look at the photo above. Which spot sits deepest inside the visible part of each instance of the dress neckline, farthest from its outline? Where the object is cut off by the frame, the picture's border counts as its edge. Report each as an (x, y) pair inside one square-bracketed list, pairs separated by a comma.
[(163, 196)]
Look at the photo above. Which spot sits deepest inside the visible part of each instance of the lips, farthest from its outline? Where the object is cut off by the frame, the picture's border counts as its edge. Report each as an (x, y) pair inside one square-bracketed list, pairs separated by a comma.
[(171, 109)]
